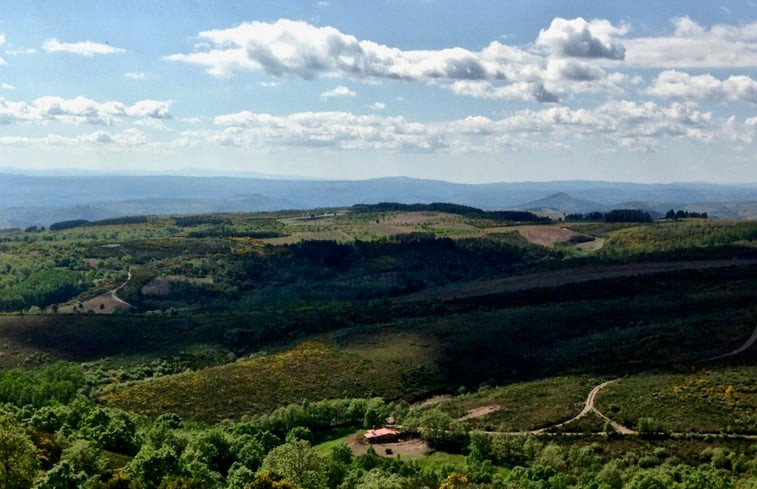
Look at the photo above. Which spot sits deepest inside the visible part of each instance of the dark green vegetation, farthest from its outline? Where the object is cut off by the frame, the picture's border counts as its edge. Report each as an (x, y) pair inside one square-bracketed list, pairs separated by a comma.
[(241, 350)]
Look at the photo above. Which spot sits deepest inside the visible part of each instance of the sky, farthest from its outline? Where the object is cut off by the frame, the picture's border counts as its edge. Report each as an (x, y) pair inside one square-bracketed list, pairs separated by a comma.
[(465, 91)]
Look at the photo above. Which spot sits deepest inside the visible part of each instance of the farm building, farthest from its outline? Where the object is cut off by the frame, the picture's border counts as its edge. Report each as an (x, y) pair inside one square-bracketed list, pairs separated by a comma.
[(382, 435)]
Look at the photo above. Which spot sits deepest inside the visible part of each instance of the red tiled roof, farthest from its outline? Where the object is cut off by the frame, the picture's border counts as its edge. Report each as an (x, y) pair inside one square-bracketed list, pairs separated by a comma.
[(377, 433)]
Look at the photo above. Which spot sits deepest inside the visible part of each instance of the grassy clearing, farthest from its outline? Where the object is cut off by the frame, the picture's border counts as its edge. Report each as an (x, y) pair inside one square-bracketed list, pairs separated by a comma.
[(325, 447), (523, 406), (386, 365), (437, 459), (704, 401)]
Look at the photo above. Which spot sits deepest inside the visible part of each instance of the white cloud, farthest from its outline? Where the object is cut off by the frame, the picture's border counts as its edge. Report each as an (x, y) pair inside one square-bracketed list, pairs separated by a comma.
[(80, 110), (581, 39), (692, 45), (268, 84), (83, 48), (340, 91), (299, 49), (129, 138), (566, 63), (523, 91), (378, 106), (632, 125), (135, 76), (2, 38), (8, 86), (155, 109), (679, 85)]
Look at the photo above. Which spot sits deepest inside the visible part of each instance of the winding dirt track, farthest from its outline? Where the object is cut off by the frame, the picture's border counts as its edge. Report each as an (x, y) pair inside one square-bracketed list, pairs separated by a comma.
[(114, 293), (589, 407), (590, 399)]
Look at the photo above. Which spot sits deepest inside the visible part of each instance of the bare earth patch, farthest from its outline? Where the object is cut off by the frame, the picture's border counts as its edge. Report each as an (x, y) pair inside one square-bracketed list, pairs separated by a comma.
[(480, 412), (414, 448), (545, 235), (102, 304)]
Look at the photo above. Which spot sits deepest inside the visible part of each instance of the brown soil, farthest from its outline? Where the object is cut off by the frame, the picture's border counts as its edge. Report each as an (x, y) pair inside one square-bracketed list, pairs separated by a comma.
[(480, 412), (413, 448), (102, 304), (545, 235)]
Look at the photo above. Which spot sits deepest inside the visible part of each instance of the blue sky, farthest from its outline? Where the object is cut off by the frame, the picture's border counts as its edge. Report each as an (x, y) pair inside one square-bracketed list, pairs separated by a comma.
[(468, 91)]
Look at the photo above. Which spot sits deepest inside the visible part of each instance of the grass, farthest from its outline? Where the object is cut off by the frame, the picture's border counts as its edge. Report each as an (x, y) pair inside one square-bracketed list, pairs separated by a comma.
[(717, 400), (523, 406), (343, 434), (387, 365), (436, 459)]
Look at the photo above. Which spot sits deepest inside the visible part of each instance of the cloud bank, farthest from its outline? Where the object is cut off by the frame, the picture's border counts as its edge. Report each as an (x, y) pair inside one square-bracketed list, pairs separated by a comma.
[(79, 110)]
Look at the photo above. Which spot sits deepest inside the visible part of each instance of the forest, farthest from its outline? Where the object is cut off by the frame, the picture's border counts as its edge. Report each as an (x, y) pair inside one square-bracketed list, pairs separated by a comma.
[(260, 350)]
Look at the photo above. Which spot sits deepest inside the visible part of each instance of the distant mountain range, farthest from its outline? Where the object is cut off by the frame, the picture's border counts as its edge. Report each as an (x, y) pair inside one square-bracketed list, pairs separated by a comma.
[(27, 200)]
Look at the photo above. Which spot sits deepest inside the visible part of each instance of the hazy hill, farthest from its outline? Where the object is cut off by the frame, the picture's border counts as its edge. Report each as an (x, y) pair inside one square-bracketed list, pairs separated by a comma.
[(40, 200), (563, 202)]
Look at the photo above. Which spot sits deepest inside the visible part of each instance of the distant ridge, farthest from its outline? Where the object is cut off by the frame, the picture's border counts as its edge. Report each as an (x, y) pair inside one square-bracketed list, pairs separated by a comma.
[(563, 202), (28, 200)]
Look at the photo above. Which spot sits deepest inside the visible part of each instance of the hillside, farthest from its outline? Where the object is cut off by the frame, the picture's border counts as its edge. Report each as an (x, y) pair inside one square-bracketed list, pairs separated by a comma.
[(504, 345)]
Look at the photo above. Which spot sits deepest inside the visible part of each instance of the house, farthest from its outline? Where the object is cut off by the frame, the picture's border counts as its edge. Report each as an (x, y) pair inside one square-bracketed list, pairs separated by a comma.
[(382, 435)]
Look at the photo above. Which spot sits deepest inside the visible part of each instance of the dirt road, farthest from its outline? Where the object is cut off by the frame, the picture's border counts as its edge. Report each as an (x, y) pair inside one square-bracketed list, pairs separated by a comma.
[(113, 293)]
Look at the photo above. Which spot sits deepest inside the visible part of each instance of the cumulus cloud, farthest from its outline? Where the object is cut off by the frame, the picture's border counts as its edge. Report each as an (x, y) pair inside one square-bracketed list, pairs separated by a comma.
[(155, 109), (522, 91), (79, 110), (83, 48), (128, 138), (135, 76), (298, 49), (340, 91), (633, 125), (7, 86), (679, 85), (581, 39), (378, 106), (567, 58), (693, 45)]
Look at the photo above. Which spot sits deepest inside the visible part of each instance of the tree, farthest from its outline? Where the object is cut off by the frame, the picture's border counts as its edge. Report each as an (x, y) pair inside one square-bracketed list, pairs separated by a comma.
[(298, 462), (151, 466), (270, 480), (18, 462), (85, 456), (62, 476)]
